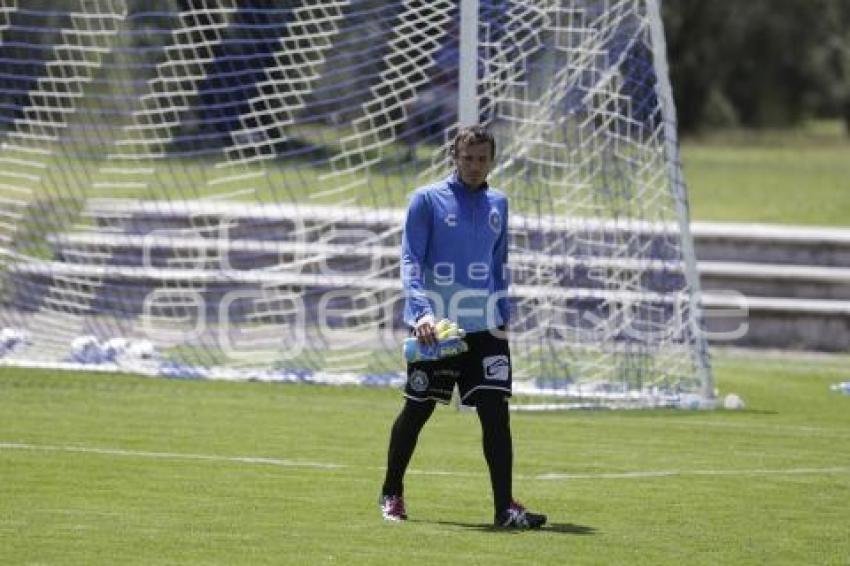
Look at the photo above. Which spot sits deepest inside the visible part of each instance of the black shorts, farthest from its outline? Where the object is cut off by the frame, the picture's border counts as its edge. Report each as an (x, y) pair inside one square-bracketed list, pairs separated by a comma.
[(486, 365)]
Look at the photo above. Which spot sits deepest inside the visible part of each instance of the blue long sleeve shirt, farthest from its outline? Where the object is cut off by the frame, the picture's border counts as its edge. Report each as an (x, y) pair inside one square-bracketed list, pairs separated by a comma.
[(454, 255)]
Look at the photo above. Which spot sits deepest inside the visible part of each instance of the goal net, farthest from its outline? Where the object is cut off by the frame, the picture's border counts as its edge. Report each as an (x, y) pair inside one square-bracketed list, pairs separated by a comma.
[(216, 189)]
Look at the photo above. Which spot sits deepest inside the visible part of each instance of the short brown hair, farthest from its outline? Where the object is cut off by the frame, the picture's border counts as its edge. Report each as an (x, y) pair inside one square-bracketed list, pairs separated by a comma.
[(473, 135)]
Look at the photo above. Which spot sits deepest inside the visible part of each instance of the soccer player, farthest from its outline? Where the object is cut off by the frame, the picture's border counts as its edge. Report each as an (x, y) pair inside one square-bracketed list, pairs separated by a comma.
[(453, 265)]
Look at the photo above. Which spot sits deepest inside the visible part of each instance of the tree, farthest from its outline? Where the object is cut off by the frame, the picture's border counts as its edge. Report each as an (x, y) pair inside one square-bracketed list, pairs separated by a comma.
[(761, 63)]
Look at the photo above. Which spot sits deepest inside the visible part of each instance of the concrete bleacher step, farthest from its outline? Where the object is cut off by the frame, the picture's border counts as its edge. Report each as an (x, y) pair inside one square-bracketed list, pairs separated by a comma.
[(311, 223), (275, 222), (771, 322), (48, 270), (713, 241), (162, 251), (128, 292), (157, 250), (774, 280), (729, 318), (770, 243), (790, 285)]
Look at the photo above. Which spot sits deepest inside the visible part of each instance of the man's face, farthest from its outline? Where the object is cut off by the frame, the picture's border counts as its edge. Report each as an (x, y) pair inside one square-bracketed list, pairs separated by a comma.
[(474, 163)]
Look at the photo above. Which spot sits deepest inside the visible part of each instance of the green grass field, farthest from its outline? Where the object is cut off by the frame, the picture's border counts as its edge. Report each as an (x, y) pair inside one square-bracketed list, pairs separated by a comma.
[(798, 176), (116, 469)]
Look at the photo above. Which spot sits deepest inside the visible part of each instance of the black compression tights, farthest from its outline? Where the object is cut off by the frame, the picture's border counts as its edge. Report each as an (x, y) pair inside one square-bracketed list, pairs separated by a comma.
[(403, 437), (496, 439), (498, 448)]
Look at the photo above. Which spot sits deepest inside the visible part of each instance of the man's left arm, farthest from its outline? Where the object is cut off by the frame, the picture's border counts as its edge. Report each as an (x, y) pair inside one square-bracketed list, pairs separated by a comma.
[(501, 276)]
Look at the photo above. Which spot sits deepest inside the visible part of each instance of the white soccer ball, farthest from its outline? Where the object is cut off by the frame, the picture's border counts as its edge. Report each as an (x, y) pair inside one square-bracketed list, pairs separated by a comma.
[(114, 348), (8, 334), (141, 350), (733, 402), (690, 401), (11, 337), (86, 350)]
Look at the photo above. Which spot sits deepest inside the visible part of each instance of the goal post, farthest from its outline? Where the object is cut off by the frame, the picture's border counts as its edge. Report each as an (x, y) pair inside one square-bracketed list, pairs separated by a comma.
[(667, 108), (216, 189), (467, 109)]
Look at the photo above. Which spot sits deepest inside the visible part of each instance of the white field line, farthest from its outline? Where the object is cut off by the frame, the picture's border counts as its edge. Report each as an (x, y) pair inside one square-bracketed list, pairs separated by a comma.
[(120, 452), (170, 455)]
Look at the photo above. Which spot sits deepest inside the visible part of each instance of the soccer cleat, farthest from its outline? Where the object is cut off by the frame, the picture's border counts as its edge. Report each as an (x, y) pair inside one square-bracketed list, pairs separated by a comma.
[(517, 517), (392, 508)]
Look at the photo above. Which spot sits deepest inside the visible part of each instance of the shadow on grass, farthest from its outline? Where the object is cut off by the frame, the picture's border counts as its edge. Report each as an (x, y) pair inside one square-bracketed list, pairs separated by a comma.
[(562, 528)]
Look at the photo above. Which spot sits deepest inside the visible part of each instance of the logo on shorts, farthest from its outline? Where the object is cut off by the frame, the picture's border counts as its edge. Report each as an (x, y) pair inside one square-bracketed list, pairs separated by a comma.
[(419, 381), (495, 221), (497, 368), (450, 373)]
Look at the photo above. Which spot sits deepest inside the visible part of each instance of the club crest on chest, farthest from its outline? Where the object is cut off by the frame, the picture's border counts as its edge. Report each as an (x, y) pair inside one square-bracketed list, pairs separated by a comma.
[(495, 221)]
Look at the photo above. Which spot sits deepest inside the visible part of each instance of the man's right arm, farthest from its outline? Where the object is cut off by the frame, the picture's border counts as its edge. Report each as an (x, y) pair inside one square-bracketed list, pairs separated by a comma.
[(414, 248)]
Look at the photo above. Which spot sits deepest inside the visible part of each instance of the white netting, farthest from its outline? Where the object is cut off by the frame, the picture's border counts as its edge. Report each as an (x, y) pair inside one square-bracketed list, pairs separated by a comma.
[(216, 188)]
